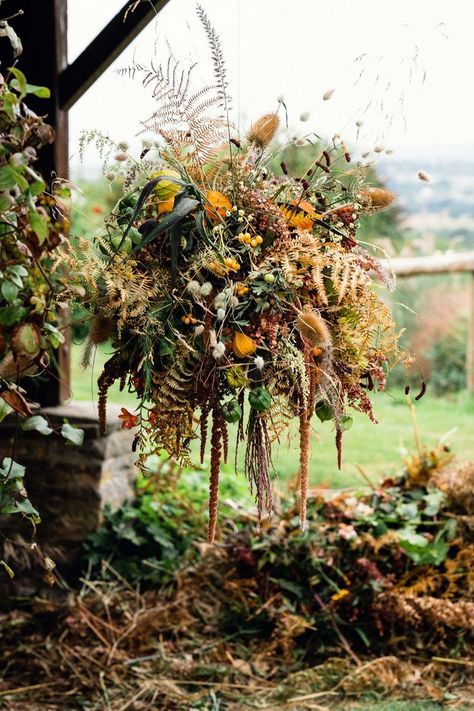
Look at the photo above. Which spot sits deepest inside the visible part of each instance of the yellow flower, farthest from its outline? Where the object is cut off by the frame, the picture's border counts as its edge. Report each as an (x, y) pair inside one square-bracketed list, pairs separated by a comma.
[(340, 595)]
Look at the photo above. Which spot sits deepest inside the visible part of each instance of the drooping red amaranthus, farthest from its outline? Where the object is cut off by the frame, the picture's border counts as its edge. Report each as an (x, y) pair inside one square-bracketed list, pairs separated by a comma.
[(216, 452)]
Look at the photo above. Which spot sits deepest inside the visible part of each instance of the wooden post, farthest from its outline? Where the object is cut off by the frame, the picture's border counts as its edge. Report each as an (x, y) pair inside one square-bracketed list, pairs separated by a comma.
[(470, 340)]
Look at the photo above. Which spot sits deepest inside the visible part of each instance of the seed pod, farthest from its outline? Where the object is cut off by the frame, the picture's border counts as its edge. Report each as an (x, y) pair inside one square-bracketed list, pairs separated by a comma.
[(260, 399), (231, 411), (263, 130), (243, 345)]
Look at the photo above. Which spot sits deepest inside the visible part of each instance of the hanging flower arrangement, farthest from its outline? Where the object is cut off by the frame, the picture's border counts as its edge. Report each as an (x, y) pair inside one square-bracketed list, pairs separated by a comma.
[(233, 292)]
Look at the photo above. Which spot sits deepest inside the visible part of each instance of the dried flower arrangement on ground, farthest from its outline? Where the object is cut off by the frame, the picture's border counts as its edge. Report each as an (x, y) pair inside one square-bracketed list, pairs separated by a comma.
[(233, 291)]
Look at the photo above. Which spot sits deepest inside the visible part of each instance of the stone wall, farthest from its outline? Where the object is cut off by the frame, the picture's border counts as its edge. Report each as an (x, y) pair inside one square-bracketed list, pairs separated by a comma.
[(68, 485)]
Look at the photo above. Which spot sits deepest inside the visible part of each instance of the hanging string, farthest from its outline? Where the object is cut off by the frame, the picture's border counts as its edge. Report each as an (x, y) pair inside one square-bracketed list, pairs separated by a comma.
[(238, 66)]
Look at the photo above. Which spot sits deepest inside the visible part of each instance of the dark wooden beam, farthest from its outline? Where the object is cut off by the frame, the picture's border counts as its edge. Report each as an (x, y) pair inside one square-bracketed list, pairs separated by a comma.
[(43, 31), (105, 48)]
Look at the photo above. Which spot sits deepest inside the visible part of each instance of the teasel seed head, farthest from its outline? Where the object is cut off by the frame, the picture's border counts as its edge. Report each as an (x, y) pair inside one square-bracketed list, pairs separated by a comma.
[(375, 199), (263, 130), (313, 329)]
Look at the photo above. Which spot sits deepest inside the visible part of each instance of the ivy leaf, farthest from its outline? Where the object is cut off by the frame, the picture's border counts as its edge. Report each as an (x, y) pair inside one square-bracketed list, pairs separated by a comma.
[(12, 469), (38, 423), (72, 434), (433, 500), (26, 507)]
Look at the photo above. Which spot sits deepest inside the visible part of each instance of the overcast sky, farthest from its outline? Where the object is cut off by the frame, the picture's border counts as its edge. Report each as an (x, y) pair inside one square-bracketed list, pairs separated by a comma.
[(403, 68)]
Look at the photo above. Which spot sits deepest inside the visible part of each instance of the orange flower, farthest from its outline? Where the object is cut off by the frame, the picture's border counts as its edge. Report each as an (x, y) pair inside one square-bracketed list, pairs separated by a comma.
[(129, 421), (217, 205), (165, 206), (97, 209), (153, 416), (300, 214)]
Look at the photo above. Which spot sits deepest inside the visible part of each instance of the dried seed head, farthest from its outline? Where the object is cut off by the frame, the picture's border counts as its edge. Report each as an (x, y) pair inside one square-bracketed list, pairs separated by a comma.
[(423, 176), (311, 326), (263, 130), (375, 199), (327, 94)]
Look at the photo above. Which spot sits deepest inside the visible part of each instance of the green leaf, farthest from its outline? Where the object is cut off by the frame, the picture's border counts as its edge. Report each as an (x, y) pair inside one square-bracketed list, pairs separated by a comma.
[(290, 586), (39, 225), (38, 423), (5, 203), (9, 291), (56, 337), (323, 411), (7, 568), (72, 434), (42, 92), (5, 409), (184, 207), (18, 269), (26, 507), (346, 423), (12, 469), (433, 500), (9, 315), (8, 177), (19, 82)]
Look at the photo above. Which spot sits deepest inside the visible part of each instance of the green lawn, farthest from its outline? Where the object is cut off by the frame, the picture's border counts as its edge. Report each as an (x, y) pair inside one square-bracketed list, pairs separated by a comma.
[(376, 448)]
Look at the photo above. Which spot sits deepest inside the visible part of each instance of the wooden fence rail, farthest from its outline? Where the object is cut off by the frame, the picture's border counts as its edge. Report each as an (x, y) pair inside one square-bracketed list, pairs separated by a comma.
[(448, 263)]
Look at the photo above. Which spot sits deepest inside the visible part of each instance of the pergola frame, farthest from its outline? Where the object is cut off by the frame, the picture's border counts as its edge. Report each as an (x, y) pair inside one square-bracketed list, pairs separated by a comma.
[(42, 27)]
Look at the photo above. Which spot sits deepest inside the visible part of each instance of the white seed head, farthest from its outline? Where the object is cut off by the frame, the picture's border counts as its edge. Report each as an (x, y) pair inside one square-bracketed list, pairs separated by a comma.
[(198, 330), (258, 362), (218, 350), (194, 288), (206, 288), (220, 314), (327, 94)]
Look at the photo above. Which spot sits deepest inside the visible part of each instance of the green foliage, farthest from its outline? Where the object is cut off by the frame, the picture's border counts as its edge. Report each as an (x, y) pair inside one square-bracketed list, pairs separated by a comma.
[(32, 223), (13, 496), (146, 539), (447, 358)]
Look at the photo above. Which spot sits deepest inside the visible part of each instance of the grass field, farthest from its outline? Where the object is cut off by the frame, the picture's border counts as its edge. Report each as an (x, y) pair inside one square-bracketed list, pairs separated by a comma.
[(376, 448)]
